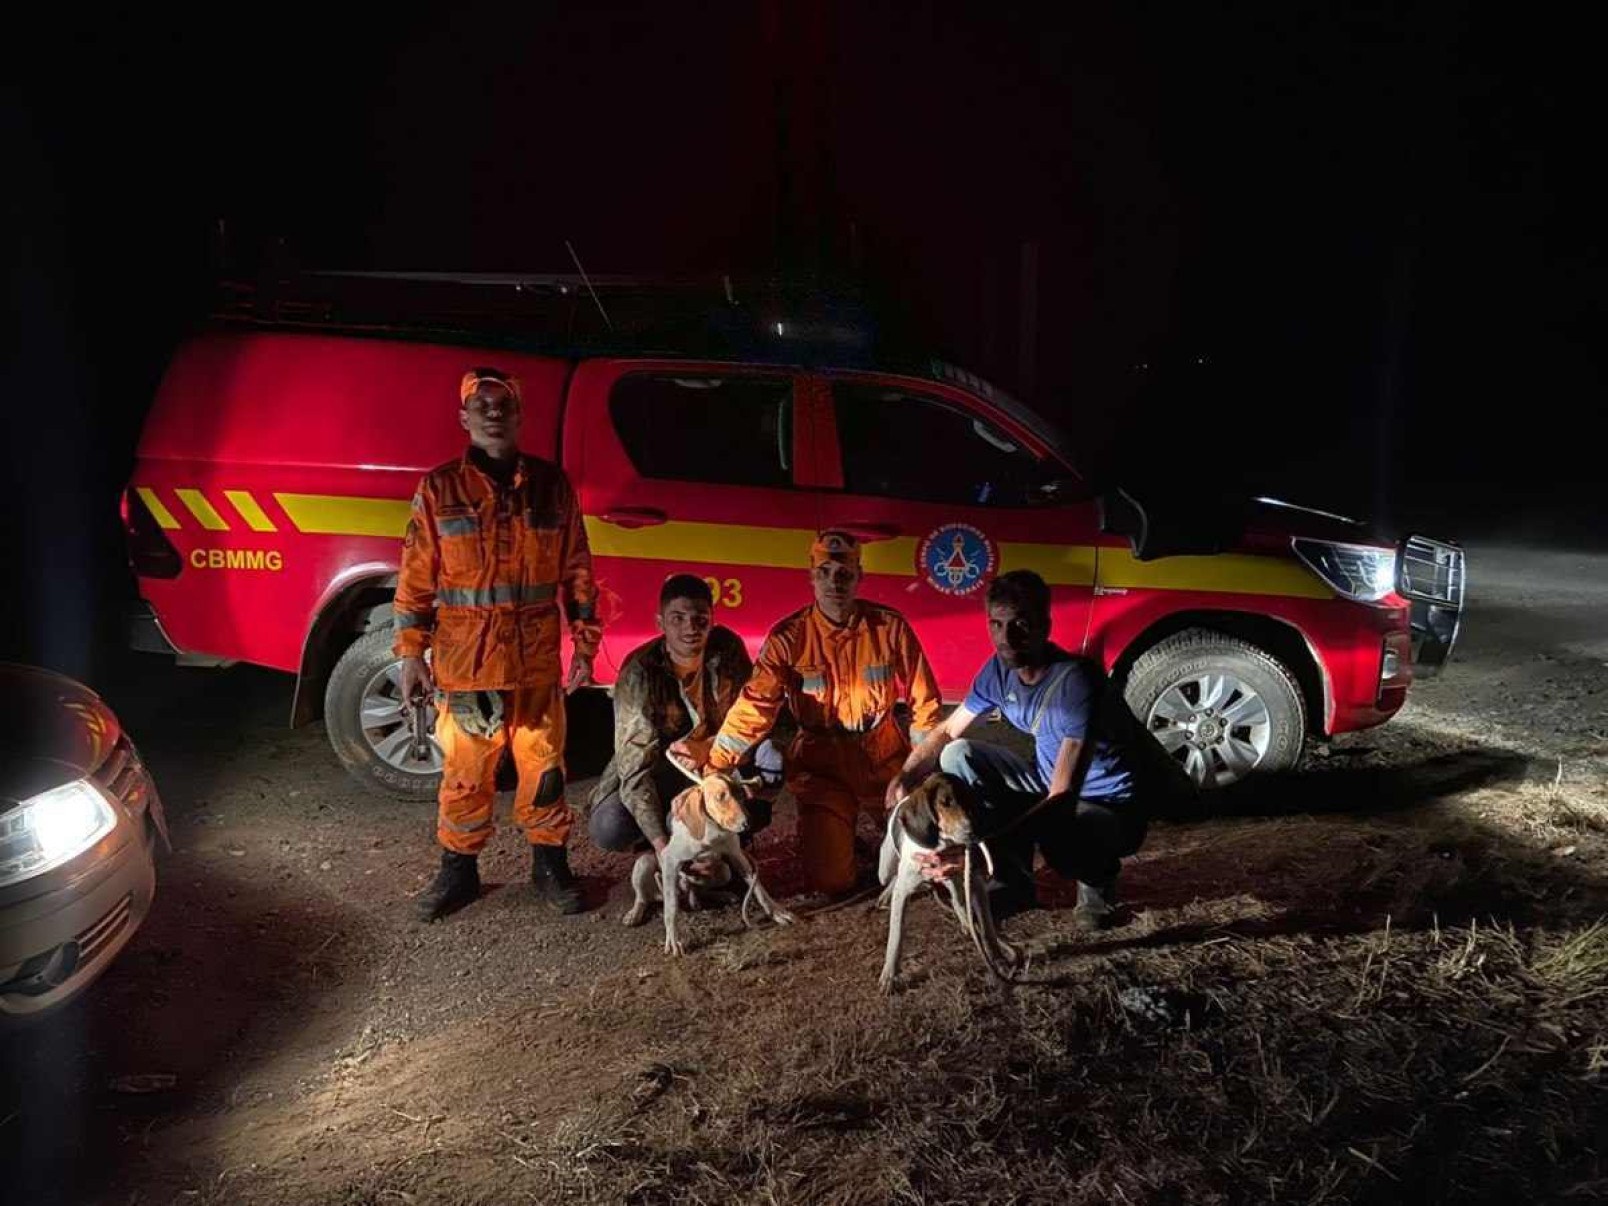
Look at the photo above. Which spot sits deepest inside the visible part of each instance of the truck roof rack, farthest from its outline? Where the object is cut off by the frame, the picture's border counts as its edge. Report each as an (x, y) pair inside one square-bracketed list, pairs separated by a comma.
[(568, 314)]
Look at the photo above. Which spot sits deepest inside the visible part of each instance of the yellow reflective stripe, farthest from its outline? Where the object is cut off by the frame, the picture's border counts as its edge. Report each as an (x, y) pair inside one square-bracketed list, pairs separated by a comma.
[(897, 556), (198, 506), (788, 548), (723, 543), (1235, 573), (334, 515), (1057, 564), (250, 511), (153, 504)]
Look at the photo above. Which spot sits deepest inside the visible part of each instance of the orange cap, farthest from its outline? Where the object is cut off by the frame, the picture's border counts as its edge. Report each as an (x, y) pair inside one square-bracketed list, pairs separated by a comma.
[(833, 545), (472, 379)]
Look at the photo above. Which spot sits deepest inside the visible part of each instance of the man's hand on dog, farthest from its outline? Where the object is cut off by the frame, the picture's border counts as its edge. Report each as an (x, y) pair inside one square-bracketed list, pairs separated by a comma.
[(939, 865), (691, 756), (683, 760), (900, 786)]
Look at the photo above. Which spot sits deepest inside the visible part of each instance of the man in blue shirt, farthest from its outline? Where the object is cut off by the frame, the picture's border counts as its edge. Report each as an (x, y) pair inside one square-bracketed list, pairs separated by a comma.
[(1078, 799)]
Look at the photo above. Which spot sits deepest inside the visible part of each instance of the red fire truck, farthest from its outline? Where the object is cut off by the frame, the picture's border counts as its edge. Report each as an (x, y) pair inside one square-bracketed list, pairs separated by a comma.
[(266, 507)]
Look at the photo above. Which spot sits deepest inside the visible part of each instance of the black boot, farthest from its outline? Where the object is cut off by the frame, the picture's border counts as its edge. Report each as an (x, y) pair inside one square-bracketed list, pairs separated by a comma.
[(456, 884), (551, 876)]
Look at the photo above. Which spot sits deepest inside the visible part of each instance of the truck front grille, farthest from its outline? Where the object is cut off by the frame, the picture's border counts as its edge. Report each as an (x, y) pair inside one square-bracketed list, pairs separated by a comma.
[(1432, 571)]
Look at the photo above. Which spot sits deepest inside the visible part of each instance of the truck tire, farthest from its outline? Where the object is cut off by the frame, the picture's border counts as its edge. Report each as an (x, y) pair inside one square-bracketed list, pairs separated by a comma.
[(368, 727), (1221, 707)]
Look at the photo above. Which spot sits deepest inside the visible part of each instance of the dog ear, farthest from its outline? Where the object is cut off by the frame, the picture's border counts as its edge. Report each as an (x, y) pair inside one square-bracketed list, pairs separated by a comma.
[(688, 808), (917, 816), (965, 795)]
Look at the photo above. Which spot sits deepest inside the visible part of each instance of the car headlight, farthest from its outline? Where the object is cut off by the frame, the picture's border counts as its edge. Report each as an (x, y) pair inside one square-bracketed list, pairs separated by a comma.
[(1358, 571), (46, 830)]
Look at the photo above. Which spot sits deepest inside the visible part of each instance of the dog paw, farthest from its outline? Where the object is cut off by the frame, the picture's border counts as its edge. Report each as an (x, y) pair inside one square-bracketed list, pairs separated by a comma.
[(635, 915), (885, 982), (672, 946)]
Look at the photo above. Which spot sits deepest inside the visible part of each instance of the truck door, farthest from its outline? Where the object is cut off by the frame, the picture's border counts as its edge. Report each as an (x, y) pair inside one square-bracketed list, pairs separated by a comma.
[(947, 494), (690, 468)]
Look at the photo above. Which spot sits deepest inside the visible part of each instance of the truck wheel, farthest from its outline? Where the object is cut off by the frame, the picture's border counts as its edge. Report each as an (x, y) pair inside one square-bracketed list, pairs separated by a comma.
[(1219, 706), (369, 727)]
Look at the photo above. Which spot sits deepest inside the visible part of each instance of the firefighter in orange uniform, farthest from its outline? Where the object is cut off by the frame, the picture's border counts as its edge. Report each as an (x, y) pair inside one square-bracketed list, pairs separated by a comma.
[(494, 547), (841, 664)]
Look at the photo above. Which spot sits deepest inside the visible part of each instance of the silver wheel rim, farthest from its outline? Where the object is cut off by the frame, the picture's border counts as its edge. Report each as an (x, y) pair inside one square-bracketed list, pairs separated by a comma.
[(386, 725), (1214, 725)]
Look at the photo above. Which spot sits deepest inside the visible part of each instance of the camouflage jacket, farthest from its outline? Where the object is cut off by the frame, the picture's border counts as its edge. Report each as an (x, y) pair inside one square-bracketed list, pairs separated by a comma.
[(650, 712)]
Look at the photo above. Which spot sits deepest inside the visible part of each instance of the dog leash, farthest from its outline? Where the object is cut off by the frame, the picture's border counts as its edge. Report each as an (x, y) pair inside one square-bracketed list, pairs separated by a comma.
[(687, 771), (967, 876), (972, 914)]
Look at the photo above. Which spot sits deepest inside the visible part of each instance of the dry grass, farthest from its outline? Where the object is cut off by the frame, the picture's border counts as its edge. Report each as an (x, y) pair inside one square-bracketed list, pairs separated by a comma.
[(1440, 1063), (1364, 1008)]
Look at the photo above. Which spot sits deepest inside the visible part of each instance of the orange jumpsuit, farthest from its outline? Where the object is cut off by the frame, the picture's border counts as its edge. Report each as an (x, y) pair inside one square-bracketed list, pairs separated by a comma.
[(842, 684), (484, 567)]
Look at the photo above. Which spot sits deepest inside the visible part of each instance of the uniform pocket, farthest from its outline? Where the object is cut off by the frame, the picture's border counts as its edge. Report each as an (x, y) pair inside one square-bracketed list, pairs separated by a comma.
[(814, 697), (539, 647), (459, 529)]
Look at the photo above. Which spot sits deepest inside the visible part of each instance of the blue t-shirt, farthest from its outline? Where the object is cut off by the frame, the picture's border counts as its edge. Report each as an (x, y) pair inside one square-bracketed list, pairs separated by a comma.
[(1060, 705)]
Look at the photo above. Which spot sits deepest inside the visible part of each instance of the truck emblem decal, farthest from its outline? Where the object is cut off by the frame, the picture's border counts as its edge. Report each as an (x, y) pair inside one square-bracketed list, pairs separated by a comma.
[(956, 559)]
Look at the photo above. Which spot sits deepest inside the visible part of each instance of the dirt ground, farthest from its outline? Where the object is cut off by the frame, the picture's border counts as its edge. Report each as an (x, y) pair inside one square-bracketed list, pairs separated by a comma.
[(1380, 979)]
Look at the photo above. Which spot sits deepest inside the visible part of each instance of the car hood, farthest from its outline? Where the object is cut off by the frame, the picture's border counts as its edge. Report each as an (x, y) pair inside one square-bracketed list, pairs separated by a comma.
[(1272, 517), (57, 730)]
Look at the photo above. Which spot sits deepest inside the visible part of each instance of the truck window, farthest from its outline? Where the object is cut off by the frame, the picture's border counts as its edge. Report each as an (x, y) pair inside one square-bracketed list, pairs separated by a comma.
[(728, 430), (900, 445)]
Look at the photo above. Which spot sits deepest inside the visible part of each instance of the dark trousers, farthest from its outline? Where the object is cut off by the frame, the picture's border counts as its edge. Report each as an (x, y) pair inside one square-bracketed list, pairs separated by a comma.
[(1084, 840), (612, 827)]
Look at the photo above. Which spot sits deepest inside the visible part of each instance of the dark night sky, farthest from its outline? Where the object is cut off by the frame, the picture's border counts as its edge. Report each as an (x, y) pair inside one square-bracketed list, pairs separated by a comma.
[(1379, 225)]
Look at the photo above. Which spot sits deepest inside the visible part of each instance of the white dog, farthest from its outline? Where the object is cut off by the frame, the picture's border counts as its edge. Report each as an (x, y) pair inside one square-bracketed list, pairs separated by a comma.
[(706, 820), (935, 816)]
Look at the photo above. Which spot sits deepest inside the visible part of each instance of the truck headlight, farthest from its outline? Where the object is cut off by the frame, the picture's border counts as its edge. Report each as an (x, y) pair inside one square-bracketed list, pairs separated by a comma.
[(1358, 571), (46, 830)]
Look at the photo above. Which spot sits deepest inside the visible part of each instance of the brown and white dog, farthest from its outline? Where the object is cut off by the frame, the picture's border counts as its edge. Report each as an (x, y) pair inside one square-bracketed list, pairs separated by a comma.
[(939, 814), (707, 819)]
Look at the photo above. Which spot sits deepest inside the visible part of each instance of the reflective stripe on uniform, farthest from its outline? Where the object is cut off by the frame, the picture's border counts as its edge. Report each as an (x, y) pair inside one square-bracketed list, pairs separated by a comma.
[(459, 525), (877, 674), (477, 827), (732, 745), (492, 596), (415, 619)]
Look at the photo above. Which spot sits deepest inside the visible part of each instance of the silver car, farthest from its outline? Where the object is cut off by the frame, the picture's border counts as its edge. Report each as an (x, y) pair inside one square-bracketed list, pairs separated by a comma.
[(79, 821)]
